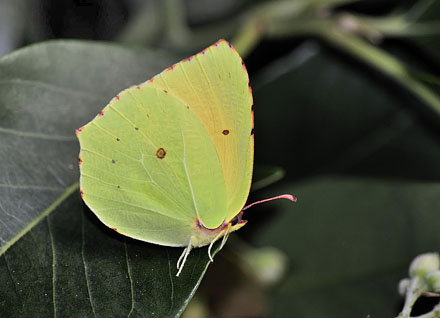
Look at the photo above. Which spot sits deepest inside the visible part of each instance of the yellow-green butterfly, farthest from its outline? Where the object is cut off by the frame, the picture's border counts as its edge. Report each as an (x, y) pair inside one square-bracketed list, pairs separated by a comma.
[(170, 161)]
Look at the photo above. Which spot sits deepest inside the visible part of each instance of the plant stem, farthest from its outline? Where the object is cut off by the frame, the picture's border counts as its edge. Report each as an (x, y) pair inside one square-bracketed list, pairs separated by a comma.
[(330, 30), (384, 62), (412, 294)]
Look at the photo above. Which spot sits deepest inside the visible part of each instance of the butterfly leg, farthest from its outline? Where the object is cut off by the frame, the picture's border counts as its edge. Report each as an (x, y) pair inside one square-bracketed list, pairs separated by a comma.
[(226, 236), (216, 238), (182, 259), (212, 243)]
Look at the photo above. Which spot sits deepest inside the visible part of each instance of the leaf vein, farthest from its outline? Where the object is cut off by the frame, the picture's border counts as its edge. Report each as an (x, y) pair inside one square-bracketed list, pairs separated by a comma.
[(52, 245), (86, 275), (130, 278), (20, 133)]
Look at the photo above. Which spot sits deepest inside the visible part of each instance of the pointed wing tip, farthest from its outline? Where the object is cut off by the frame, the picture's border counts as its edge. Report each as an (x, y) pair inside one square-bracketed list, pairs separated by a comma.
[(224, 42)]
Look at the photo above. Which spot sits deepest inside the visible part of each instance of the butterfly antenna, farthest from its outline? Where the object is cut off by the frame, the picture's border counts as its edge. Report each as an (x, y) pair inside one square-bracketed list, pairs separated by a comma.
[(283, 196)]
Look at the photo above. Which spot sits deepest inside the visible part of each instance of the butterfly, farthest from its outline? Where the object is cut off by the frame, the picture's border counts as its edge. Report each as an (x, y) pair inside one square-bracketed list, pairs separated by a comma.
[(170, 161)]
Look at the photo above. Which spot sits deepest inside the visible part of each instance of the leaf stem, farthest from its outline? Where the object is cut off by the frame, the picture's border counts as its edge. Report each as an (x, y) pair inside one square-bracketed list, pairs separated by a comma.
[(334, 32), (384, 62), (412, 294)]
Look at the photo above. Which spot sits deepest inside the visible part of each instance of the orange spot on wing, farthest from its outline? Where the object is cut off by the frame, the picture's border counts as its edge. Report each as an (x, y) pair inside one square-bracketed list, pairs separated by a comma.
[(79, 160), (79, 130), (138, 87), (101, 113), (165, 91), (82, 193), (243, 66), (171, 67), (115, 229), (188, 59), (151, 80), (117, 97), (252, 97)]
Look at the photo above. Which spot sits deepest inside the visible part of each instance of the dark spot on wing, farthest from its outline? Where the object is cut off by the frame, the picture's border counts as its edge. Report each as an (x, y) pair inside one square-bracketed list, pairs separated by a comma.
[(117, 139), (161, 153), (252, 132), (225, 132), (113, 161)]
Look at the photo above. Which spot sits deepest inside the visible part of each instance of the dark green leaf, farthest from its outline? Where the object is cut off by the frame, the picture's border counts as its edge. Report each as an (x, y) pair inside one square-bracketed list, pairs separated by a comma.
[(64, 260), (319, 114), (349, 242), (71, 264), (46, 92), (12, 22), (265, 175)]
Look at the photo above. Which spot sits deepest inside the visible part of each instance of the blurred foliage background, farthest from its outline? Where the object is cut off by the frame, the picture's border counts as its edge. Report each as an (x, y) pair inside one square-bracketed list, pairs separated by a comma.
[(346, 104)]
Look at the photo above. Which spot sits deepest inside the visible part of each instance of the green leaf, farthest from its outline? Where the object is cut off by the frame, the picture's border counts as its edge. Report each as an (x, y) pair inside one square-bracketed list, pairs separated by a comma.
[(59, 257), (12, 22), (314, 113), (427, 11), (71, 264), (265, 175), (349, 241), (47, 91), (349, 238), (68, 261)]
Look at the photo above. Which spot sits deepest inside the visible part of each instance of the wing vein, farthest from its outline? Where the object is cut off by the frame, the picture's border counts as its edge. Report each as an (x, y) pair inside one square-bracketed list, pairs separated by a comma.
[(136, 206), (187, 175)]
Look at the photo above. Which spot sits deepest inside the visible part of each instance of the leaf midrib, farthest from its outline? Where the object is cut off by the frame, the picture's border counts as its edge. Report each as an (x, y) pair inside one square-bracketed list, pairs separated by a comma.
[(69, 190)]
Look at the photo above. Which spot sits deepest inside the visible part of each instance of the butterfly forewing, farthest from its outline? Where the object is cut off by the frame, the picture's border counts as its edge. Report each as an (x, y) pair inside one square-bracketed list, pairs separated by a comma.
[(214, 84)]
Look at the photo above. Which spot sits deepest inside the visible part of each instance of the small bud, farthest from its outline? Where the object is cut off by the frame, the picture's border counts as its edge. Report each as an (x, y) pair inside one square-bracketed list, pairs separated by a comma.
[(267, 264), (433, 281), (423, 264), (403, 286)]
